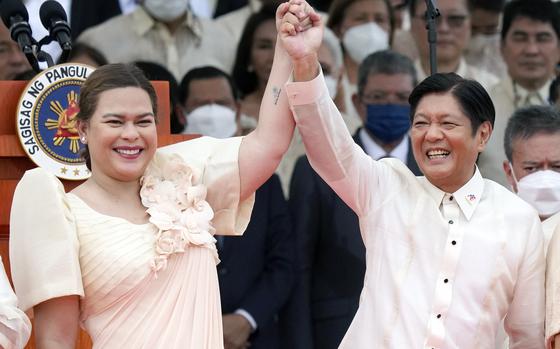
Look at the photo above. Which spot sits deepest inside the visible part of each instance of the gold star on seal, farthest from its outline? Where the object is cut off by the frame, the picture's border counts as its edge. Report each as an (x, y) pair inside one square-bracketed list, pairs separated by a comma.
[(76, 172), (63, 170)]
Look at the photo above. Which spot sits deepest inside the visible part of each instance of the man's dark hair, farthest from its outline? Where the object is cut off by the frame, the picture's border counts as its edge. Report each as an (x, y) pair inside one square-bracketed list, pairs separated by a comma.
[(496, 6), (537, 10), (472, 98), (385, 62), (529, 121), (203, 73), (554, 90)]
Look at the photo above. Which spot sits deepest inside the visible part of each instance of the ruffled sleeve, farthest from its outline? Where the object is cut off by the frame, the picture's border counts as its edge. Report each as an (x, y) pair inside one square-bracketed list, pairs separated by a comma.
[(44, 247), (217, 162)]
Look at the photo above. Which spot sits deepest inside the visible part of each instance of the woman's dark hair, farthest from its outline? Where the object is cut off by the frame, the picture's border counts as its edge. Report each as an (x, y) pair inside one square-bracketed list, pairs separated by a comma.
[(109, 77), (338, 8), (157, 72), (79, 49), (473, 99), (538, 10), (245, 79)]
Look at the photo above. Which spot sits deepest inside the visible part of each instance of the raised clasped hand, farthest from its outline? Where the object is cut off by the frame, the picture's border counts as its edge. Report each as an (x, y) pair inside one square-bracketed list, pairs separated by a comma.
[(300, 29)]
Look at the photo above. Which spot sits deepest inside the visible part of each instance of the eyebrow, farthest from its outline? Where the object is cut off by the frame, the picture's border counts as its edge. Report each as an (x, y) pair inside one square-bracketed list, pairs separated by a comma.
[(122, 115)]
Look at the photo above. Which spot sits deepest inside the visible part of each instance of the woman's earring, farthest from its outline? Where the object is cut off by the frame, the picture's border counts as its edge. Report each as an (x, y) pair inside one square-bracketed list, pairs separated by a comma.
[(250, 68), (83, 139)]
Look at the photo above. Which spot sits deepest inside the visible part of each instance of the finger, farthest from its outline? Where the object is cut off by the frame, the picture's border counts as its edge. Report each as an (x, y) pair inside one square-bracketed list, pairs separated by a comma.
[(282, 9), (305, 24), (290, 18), (288, 28)]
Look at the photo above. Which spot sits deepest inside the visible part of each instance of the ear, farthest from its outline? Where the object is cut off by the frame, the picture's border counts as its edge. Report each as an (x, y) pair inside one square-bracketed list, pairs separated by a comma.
[(83, 128), (509, 175), (360, 107), (483, 134)]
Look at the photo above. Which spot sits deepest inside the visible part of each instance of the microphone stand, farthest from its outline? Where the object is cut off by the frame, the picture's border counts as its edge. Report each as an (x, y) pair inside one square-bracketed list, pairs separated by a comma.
[(431, 13)]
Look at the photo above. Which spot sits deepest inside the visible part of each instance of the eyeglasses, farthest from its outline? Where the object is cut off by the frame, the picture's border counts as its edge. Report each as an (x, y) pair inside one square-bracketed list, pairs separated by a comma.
[(453, 21)]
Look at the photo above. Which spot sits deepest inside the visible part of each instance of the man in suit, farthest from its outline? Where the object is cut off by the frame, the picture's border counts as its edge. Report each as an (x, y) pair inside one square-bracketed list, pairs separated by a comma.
[(330, 252), (256, 272)]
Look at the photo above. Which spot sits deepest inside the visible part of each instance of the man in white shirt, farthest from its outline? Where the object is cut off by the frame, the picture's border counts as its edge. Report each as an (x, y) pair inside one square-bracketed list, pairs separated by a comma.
[(530, 45), (163, 32), (453, 35), (532, 168), (449, 255), (12, 59)]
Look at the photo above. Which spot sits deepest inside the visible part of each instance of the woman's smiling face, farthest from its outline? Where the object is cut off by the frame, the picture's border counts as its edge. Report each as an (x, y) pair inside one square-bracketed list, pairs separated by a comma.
[(121, 134)]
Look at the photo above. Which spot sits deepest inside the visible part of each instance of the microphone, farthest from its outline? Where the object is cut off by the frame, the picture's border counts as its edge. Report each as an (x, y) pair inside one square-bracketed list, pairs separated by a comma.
[(15, 17), (55, 21)]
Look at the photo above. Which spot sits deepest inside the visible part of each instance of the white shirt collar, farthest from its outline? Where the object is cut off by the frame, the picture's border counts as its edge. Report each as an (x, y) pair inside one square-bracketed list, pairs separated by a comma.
[(375, 151), (467, 197)]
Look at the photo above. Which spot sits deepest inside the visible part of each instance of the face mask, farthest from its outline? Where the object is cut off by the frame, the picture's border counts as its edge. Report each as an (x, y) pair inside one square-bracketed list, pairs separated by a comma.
[(479, 43), (365, 39), (166, 10), (212, 120), (388, 122), (541, 189), (332, 85)]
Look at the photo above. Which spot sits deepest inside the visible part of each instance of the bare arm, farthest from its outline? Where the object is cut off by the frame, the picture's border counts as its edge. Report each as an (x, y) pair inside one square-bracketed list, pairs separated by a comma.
[(261, 150), (56, 323)]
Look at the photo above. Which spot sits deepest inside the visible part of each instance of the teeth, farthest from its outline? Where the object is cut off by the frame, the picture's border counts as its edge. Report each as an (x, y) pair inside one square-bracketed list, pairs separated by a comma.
[(128, 151), (437, 154)]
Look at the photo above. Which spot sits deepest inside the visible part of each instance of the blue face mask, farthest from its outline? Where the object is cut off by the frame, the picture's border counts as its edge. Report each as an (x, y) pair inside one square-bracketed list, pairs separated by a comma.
[(388, 122)]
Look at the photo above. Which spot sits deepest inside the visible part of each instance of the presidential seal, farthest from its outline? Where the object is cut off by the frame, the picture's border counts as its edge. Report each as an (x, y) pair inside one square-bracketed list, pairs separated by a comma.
[(46, 120)]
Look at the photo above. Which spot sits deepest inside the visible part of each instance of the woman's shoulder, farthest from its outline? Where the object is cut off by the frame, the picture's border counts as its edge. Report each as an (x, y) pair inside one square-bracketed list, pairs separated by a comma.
[(39, 182)]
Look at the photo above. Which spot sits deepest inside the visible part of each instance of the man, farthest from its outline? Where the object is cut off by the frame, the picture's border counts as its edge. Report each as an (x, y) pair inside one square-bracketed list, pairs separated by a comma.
[(162, 32), (331, 254), (256, 270), (453, 35), (532, 145), (483, 49), (530, 46), (449, 255), (12, 59)]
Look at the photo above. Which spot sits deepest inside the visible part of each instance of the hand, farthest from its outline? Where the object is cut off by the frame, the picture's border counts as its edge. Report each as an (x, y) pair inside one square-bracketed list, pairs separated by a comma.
[(236, 331), (300, 30)]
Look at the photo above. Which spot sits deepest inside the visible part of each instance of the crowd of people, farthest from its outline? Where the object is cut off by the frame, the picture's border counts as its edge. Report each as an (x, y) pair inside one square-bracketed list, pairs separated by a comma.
[(407, 210)]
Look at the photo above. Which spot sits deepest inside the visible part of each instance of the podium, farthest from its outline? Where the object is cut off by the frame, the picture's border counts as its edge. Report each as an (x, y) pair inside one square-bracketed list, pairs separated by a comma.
[(14, 162)]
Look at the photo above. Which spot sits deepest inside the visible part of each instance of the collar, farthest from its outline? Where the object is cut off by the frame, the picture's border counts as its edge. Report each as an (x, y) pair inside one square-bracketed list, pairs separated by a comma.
[(519, 93), (255, 5), (467, 197), (375, 151), (142, 22), (462, 69)]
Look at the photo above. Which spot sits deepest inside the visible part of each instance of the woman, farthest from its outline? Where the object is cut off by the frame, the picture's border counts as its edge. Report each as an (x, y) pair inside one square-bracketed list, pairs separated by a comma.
[(363, 27), (253, 62), (129, 254)]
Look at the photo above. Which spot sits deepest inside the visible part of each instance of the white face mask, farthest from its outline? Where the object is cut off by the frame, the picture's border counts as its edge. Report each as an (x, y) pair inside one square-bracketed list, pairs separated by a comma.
[(480, 43), (541, 189), (365, 39), (166, 10), (212, 120), (332, 85)]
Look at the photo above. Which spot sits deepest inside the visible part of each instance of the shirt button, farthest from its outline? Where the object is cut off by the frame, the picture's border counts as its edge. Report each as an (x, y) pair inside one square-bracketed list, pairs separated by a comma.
[(450, 221), (438, 316), (453, 242), (445, 280), (451, 198)]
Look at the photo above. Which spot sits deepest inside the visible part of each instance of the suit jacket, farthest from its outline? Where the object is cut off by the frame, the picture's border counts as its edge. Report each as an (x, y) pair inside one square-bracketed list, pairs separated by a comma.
[(330, 258), (256, 272)]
